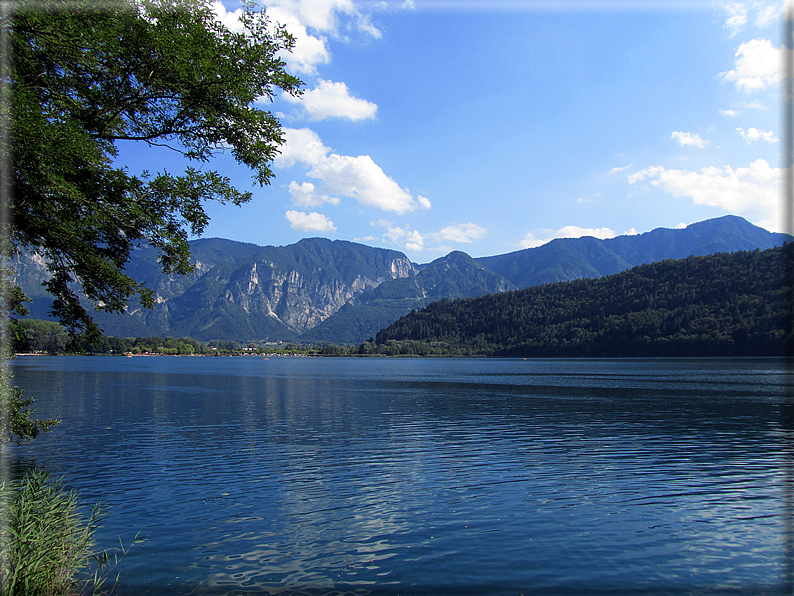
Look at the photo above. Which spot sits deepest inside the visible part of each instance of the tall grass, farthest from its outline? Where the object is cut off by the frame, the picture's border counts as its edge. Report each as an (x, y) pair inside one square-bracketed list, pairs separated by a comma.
[(46, 540)]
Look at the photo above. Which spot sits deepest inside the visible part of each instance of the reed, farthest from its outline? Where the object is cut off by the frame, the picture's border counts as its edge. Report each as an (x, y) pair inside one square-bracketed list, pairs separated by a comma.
[(46, 540)]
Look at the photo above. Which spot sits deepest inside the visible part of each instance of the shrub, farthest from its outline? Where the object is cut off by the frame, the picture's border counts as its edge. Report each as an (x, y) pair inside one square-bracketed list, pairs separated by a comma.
[(46, 542)]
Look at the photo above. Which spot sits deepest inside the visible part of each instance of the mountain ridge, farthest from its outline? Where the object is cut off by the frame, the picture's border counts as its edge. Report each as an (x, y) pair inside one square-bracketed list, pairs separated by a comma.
[(337, 291), (564, 259)]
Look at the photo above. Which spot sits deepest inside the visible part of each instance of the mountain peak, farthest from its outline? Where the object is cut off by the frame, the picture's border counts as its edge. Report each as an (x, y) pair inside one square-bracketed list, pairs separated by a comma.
[(565, 259)]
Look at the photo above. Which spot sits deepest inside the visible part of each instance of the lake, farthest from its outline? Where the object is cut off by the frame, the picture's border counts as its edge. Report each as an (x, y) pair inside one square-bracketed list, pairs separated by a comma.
[(425, 476)]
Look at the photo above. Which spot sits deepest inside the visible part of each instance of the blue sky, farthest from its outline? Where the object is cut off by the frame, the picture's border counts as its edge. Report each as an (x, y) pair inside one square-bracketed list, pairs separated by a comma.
[(490, 126)]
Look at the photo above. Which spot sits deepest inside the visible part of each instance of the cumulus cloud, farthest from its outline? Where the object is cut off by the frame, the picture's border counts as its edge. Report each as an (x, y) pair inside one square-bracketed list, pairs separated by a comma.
[(752, 192), (304, 195), (361, 178), (758, 64), (410, 239), (401, 236), (729, 113), (333, 100), (310, 222), (230, 20), (311, 22), (755, 134), (465, 233), (424, 202), (686, 138), (324, 15), (531, 240), (415, 242), (344, 175), (309, 50), (301, 145)]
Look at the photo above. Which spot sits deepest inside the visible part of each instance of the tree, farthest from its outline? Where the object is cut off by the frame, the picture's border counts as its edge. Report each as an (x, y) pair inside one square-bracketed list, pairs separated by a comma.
[(15, 421), (85, 77)]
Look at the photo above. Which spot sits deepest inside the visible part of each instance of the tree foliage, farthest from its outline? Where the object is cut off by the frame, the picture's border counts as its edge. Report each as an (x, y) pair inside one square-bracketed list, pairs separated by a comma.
[(15, 410), (719, 305), (16, 422), (86, 77)]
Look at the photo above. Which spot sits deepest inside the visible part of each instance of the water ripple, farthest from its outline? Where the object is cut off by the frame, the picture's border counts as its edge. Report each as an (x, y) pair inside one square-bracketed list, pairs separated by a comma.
[(426, 476)]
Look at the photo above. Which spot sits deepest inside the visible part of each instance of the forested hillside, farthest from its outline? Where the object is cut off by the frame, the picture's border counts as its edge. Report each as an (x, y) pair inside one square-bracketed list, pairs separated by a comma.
[(727, 304)]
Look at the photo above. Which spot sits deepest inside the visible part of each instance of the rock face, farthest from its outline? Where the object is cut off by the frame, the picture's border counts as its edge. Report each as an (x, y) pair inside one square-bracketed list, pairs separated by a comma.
[(456, 275), (295, 287), (343, 292), (243, 291)]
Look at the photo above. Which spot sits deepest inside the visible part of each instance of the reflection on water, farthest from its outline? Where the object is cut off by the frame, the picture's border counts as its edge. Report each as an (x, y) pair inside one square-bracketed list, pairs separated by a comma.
[(370, 476)]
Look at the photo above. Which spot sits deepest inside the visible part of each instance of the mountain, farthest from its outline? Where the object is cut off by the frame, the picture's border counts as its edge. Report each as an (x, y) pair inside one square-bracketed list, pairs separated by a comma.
[(456, 275), (725, 304), (565, 259), (318, 290), (242, 291)]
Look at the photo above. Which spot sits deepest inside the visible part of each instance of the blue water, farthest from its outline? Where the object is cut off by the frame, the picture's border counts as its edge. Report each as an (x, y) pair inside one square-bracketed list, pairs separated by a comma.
[(425, 476)]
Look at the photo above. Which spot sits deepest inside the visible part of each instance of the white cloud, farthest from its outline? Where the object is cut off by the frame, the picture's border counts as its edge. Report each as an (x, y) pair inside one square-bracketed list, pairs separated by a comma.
[(323, 15), (769, 14), (736, 16), (301, 145), (310, 222), (333, 100), (752, 192), (758, 64), (361, 178), (416, 241), (686, 138), (619, 169), (530, 240), (356, 177), (730, 113), (754, 134), (319, 15), (309, 50), (643, 174), (304, 195), (230, 20), (405, 237), (681, 226), (311, 22), (466, 233)]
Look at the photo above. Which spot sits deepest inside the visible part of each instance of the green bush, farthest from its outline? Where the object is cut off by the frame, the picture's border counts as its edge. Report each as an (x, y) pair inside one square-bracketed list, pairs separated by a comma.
[(46, 541)]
